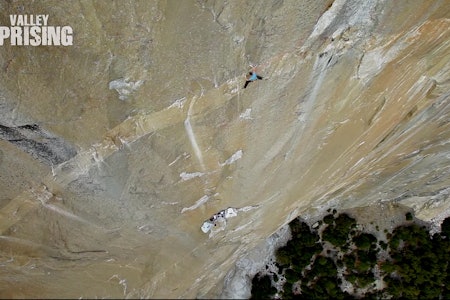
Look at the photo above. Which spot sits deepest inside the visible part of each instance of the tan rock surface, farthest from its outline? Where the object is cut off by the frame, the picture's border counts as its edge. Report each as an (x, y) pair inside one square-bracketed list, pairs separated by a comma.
[(148, 109)]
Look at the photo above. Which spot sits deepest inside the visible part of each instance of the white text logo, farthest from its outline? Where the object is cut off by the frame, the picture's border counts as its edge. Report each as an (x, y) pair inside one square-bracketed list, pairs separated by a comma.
[(33, 30)]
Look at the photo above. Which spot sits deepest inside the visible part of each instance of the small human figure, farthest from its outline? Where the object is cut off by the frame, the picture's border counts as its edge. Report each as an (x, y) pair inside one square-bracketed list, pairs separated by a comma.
[(251, 76)]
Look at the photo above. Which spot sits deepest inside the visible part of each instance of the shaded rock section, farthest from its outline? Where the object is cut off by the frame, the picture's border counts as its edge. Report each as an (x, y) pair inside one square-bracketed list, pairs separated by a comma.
[(42, 145)]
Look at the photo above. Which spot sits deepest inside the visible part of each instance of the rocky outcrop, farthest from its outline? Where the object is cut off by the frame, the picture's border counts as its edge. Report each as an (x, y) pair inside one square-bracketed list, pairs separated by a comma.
[(353, 110)]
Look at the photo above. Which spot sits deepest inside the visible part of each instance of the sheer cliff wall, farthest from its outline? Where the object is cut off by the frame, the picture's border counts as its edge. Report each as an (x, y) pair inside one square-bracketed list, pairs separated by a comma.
[(116, 149)]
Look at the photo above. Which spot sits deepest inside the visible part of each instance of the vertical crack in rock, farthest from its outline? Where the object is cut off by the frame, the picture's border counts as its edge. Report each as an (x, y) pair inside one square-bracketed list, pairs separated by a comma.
[(192, 138)]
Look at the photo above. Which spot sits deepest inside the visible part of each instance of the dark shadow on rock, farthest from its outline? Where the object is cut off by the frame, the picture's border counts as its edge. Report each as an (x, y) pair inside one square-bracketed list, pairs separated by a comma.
[(42, 145)]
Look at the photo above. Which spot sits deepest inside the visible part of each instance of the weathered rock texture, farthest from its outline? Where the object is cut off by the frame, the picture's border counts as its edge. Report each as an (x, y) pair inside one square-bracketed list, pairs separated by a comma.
[(143, 131)]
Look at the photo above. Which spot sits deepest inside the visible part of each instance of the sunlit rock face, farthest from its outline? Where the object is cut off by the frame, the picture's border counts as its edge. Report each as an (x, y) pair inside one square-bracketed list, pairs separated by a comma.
[(116, 149)]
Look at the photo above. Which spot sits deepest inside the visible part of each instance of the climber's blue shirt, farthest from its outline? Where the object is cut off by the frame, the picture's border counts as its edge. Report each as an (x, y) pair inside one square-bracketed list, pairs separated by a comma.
[(253, 77)]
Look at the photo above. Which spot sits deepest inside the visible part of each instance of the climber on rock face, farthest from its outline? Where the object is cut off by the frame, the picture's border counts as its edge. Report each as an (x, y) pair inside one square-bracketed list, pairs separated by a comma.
[(251, 76)]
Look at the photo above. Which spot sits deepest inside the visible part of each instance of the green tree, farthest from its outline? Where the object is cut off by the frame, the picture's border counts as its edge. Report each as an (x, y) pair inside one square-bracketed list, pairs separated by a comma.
[(445, 228), (409, 216), (365, 241), (418, 262), (262, 287), (337, 233), (328, 219)]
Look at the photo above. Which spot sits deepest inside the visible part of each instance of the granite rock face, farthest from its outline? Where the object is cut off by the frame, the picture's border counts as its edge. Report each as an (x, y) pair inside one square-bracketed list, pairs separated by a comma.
[(114, 151)]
